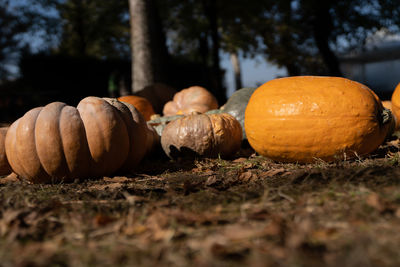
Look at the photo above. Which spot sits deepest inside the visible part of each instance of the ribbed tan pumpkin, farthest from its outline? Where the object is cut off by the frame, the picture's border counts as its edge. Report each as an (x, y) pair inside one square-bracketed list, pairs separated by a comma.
[(300, 119), (202, 135), (140, 103), (5, 167), (192, 99), (61, 143), (396, 105)]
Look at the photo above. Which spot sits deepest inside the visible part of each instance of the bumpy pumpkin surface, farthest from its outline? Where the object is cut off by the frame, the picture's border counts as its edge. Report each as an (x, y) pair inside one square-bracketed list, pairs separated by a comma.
[(299, 119), (192, 99), (396, 105), (5, 167), (202, 135), (61, 143), (140, 103)]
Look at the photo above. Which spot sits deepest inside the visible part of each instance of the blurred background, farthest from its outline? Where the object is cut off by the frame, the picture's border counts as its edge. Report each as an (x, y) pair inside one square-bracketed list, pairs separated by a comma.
[(64, 50)]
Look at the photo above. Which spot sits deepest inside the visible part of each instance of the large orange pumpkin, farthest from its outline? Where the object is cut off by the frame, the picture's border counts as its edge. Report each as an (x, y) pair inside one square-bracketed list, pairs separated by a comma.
[(192, 99), (61, 143), (300, 119), (396, 105), (140, 103)]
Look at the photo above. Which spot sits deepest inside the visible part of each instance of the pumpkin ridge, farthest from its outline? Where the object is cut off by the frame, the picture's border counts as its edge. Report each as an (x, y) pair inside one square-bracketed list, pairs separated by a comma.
[(50, 116), (213, 134), (41, 169), (12, 156), (63, 158)]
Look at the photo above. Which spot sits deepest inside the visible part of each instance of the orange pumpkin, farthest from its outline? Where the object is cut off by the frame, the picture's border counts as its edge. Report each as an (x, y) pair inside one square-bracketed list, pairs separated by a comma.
[(396, 105), (299, 119), (387, 104), (192, 99), (140, 103)]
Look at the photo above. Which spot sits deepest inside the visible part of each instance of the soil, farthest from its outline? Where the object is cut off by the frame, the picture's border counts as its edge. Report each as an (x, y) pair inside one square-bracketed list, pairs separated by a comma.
[(245, 211)]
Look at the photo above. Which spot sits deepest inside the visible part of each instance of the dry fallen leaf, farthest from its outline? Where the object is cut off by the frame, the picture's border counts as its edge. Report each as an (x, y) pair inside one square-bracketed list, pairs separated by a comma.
[(273, 172), (247, 176)]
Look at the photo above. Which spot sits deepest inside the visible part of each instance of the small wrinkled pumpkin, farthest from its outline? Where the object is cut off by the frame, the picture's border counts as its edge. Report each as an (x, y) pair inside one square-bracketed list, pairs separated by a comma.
[(140, 103), (202, 135), (5, 167), (300, 119), (192, 99), (62, 143), (396, 105)]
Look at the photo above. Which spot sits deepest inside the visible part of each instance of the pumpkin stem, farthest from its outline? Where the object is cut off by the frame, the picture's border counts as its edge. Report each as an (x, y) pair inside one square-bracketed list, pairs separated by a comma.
[(386, 116)]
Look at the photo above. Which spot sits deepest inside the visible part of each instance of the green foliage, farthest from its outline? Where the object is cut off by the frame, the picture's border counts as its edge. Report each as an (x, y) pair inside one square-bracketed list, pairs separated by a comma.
[(97, 28), (11, 26)]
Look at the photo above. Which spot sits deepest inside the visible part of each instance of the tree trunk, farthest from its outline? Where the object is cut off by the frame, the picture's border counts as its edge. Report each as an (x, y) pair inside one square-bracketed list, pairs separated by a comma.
[(236, 69), (322, 27), (211, 13), (146, 46)]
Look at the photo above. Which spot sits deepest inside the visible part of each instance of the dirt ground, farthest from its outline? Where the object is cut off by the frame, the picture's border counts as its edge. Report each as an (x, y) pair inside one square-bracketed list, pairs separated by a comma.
[(247, 211)]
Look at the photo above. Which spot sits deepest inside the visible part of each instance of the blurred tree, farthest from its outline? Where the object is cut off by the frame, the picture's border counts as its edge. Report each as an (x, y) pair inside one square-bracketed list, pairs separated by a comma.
[(11, 27), (149, 52), (98, 28), (95, 28), (302, 35)]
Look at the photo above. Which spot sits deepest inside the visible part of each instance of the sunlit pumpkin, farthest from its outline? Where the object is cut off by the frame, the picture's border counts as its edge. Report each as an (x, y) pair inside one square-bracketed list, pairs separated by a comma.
[(140, 103), (192, 99), (300, 119), (202, 135), (61, 143)]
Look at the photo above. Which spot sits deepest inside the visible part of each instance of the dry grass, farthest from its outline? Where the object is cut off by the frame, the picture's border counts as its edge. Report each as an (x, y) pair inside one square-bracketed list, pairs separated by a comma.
[(212, 212)]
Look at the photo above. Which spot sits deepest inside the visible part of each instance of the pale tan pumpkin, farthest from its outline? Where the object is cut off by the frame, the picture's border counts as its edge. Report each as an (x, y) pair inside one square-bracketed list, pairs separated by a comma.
[(61, 143), (137, 131), (300, 119), (192, 99), (5, 167), (48, 144), (202, 135)]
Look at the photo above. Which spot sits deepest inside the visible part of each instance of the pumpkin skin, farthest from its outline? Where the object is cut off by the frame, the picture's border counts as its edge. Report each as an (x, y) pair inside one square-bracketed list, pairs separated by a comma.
[(5, 167), (137, 131), (396, 105), (387, 104), (61, 143), (202, 135), (48, 144), (192, 99), (236, 105), (140, 103), (299, 119)]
